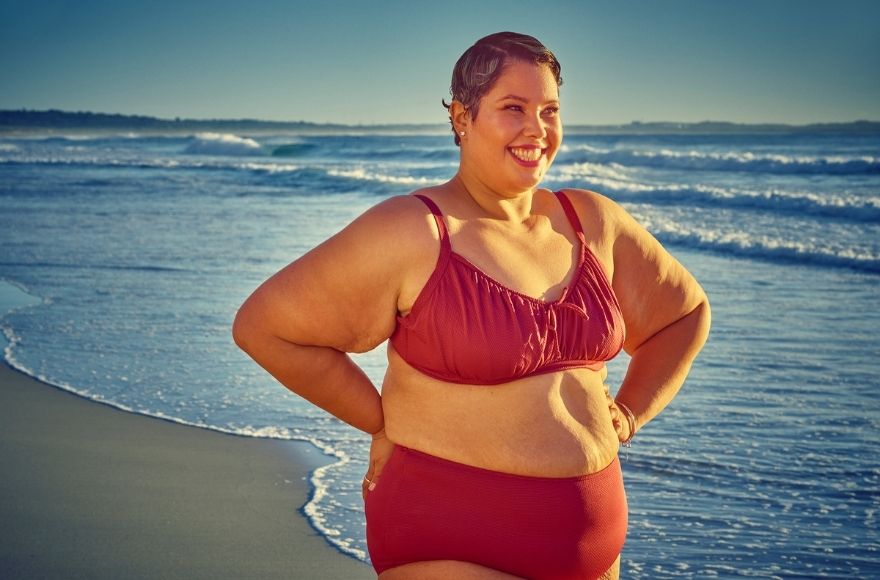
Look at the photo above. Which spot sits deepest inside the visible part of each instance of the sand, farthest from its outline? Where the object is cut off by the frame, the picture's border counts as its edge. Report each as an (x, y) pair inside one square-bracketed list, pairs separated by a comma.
[(89, 491)]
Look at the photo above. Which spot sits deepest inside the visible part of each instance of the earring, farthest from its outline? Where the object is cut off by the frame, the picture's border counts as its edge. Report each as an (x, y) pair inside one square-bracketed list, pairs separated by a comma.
[(461, 133)]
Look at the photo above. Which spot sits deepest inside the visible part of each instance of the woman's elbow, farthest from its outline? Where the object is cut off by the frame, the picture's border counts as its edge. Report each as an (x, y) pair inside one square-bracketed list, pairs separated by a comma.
[(704, 319), (245, 326)]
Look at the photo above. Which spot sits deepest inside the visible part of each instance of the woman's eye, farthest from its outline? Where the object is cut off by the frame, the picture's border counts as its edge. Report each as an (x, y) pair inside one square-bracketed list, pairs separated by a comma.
[(551, 111), (513, 108)]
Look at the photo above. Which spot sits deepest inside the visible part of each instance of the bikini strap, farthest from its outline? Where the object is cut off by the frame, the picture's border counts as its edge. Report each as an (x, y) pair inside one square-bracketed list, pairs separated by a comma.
[(445, 245), (570, 214)]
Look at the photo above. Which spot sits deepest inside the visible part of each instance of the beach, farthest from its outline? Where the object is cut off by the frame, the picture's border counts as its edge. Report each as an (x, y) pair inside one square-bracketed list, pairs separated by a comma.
[(124, 258), (89, 491)]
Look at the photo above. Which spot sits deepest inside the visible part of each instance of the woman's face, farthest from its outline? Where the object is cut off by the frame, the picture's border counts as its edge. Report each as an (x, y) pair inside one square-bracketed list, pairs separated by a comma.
[(518, 131)]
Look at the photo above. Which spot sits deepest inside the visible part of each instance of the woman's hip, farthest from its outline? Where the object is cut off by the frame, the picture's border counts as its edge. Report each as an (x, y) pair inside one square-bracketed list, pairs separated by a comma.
[(429, 508)]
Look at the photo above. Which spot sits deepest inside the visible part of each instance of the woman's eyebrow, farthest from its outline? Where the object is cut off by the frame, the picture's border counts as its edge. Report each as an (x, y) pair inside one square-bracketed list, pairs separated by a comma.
[(520, 99)]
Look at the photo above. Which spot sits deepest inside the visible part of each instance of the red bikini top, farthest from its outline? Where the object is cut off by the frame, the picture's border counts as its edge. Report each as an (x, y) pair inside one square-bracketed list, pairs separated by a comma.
[(465, 327)]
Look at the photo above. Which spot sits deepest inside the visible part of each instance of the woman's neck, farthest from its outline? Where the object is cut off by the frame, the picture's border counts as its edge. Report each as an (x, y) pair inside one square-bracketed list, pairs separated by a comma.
[(516, 208)]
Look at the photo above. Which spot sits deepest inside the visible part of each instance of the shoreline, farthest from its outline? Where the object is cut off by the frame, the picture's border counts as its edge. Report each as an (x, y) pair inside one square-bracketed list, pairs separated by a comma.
[(90, 491)]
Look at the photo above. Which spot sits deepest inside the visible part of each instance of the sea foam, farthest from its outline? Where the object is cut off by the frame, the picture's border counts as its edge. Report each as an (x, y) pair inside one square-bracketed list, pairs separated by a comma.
[(222, 144), (757, 245), (743, 161), (612, 180)]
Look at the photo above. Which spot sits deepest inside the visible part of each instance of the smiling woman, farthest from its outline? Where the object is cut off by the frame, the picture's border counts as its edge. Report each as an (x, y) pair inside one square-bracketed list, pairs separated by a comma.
[(519, 130), (495, 439)]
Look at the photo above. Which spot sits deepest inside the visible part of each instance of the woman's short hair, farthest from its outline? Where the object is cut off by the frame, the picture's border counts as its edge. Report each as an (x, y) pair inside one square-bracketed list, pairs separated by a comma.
[(480, 66)]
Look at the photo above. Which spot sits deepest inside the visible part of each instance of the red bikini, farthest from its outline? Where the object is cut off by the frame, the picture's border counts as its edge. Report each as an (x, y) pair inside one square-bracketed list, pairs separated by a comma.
[(561, 528), (466, 327)]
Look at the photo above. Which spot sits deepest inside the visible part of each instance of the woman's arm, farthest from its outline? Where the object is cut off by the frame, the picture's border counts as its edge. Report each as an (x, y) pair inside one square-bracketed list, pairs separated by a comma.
[(667, 317), (340, 297), (323, 375), (660, 365), (666, 312)]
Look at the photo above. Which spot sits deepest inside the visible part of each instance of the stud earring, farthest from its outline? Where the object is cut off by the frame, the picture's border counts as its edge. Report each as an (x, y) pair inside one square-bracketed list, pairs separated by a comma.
[(461, 133)]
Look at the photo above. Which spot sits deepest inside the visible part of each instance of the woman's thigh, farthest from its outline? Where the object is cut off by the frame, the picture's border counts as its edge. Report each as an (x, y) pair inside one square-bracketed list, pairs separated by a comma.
[(613, 572), (445, 569)]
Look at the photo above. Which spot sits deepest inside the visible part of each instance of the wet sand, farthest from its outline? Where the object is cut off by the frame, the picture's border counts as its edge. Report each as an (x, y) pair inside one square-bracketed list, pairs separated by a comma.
[(89, 491)]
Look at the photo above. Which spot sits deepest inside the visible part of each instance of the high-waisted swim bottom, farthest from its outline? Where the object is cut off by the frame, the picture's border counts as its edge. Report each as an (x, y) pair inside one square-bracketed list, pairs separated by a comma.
[(428, 508)]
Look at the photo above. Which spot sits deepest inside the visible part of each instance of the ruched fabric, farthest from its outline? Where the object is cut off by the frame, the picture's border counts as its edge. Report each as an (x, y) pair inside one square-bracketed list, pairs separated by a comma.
[(465, 327)]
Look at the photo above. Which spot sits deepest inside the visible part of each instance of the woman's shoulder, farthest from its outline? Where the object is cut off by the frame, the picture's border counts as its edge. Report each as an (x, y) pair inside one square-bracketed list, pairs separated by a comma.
[(400, 219), (600, 216), (589, 200), (397, 207)]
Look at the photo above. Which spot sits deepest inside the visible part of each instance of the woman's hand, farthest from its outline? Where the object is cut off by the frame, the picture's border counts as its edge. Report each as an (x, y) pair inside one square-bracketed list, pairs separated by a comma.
[(618, 419), (380, 452)]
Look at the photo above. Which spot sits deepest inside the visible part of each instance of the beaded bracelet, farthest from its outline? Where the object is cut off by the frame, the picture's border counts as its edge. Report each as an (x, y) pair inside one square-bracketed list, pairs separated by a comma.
[(631, 422)]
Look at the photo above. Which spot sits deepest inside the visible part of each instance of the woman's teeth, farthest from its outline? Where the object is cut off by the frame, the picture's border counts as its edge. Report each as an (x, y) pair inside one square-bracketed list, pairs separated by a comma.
[(525, 154)]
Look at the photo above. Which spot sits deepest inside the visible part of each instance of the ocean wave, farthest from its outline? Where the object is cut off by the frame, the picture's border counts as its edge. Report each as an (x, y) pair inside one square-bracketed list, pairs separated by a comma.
[(764, 247), (222, 144), (612, 181), (148, 163), (318, 178), (134, 162), (295, 149), (50, 139), (267, 167), (361, 174), (81, 266), (367, 151), (445, 154), (99, 139), (742, 161)]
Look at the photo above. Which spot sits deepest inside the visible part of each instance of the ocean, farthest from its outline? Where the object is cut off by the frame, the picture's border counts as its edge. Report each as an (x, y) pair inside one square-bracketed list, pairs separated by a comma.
[(136, 251)]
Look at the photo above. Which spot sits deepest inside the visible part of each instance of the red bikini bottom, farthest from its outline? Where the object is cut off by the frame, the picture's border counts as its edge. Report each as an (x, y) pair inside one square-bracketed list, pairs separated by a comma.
[(427, 508)]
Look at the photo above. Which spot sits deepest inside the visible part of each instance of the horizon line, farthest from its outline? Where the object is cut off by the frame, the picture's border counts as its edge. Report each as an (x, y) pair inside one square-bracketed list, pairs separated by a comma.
[(185, 120)]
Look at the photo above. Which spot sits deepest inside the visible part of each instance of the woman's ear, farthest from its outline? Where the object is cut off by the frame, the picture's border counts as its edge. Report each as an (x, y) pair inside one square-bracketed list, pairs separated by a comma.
[(460, 117)]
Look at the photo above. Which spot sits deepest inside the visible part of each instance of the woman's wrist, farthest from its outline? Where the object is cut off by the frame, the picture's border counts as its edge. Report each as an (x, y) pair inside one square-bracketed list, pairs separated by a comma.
[(631, 423), (380, 434)]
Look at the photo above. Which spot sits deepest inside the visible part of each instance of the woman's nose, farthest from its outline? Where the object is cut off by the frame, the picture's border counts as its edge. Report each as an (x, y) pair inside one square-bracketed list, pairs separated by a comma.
[(535, 126)]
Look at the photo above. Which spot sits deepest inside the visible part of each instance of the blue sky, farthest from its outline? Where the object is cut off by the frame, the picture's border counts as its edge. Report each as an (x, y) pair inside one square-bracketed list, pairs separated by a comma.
[(790, 61)]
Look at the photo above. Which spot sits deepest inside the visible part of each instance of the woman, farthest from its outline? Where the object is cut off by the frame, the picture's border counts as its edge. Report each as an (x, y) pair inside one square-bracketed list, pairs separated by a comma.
[(494, 451)]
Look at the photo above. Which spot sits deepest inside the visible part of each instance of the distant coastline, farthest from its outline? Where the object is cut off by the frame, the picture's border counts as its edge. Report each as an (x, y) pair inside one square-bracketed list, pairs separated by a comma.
[(52, 120)]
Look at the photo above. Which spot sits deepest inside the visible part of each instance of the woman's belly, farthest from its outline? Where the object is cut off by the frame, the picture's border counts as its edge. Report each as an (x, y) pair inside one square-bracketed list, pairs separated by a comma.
[(550, 425)]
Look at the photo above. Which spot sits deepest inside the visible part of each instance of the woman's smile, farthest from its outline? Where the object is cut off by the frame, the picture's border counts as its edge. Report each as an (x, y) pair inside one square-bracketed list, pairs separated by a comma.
[(527, 155)]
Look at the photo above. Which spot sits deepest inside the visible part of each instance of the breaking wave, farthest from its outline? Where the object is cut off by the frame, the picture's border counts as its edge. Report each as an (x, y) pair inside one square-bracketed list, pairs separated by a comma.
[(743, 161)]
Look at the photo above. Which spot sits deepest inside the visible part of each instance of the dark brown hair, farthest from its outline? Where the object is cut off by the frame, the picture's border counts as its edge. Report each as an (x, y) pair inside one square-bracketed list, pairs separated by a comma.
[(480, 66)]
